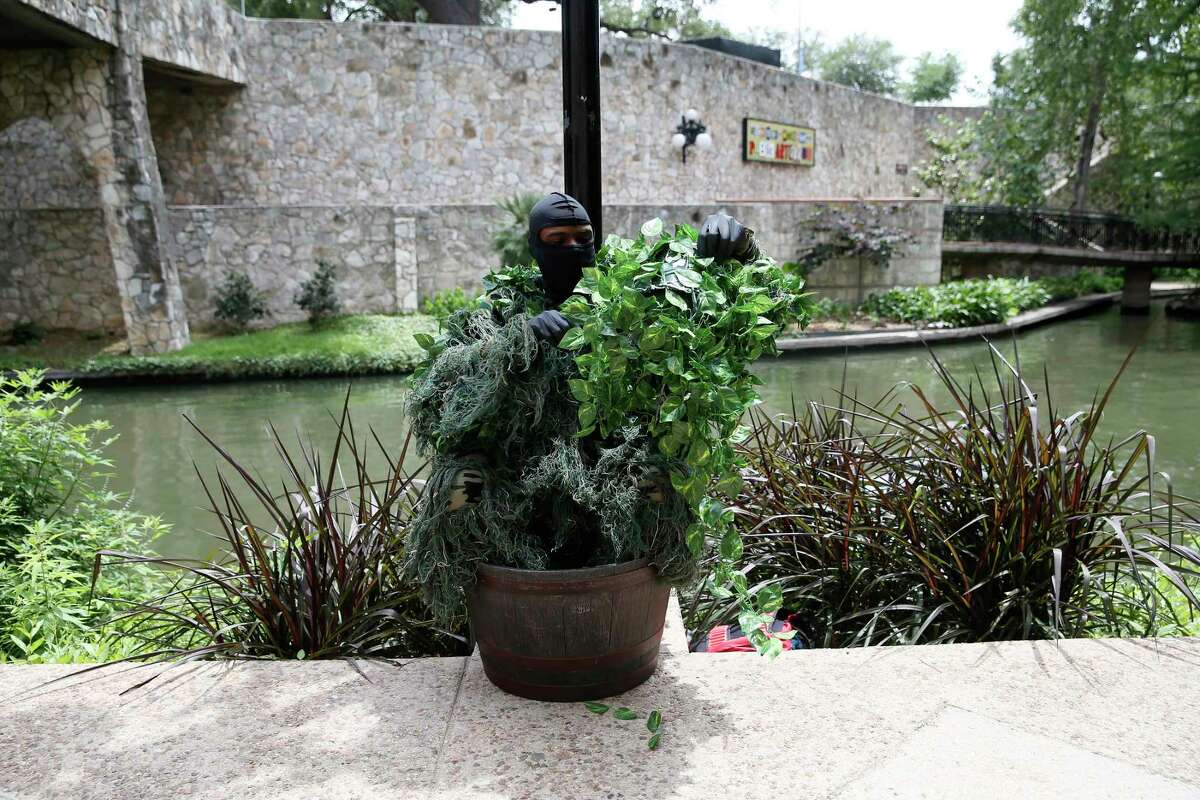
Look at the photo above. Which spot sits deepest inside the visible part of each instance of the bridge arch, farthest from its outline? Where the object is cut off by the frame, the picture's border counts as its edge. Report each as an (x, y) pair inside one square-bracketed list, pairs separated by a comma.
[(56, 267)]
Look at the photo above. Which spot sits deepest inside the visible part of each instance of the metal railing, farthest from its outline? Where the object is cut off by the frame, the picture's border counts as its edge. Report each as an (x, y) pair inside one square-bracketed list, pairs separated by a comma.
[(1098, 232)]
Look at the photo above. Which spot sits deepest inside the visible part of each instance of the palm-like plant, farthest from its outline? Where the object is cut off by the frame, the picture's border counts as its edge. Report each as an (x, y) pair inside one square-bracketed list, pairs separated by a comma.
[(311, 573), (996, 519), (511, 239)]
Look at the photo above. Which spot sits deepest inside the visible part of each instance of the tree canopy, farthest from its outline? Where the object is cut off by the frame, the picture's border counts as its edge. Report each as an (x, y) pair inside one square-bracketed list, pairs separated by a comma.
[(861, 62), (933, 78), (1104, 99)]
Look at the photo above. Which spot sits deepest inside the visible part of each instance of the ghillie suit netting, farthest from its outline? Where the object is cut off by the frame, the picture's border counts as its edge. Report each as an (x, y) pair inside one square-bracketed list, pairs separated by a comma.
[(600, 449)]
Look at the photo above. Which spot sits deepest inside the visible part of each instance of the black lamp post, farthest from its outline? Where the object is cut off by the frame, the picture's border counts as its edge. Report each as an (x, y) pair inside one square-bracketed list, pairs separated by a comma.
[(581, 105)]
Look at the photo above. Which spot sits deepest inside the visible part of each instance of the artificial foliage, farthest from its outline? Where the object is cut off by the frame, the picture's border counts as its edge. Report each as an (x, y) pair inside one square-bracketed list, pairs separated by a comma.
[(616, 443)]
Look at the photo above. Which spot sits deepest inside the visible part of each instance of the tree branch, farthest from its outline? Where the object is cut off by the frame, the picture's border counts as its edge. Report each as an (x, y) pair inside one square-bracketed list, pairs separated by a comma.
[(631, 30)]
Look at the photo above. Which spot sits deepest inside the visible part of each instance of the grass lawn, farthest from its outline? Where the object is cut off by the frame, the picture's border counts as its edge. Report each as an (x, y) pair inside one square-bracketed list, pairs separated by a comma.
[(363, 344)]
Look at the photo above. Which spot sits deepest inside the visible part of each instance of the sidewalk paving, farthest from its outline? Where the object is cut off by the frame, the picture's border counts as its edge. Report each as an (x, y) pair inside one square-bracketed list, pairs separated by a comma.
[(1079, 718)]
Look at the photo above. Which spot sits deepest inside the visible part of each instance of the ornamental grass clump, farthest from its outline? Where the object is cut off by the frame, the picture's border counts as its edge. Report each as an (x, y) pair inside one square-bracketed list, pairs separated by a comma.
[(641, 398), (311, 569), (996, 518)]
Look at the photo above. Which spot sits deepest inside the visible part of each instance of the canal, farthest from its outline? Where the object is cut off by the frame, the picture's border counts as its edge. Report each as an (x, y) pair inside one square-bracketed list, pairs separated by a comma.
[(156, 448)]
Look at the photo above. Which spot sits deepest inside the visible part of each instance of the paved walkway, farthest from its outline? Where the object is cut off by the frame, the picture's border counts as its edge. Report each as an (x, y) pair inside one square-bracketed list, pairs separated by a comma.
[(1088, 719)]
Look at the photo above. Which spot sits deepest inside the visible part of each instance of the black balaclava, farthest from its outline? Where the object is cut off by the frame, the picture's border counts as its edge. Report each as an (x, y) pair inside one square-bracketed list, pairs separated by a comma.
[(561, 265)]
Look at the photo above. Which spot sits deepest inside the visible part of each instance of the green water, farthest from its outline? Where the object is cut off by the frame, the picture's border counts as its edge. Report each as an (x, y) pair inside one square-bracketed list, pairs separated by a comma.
[(154, 454)]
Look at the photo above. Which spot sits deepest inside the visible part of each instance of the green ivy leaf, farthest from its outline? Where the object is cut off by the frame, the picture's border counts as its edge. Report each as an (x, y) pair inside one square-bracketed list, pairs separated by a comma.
[(654, 721), (652, 228), (587, 415), (770, 599), (596, 708), (424, 340), (675, 299), (580, 389), (573, 339), (654, 741), (625, 714)]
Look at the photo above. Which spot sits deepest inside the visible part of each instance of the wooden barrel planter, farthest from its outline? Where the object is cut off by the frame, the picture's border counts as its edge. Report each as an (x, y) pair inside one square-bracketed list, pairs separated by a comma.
[(572, 634)]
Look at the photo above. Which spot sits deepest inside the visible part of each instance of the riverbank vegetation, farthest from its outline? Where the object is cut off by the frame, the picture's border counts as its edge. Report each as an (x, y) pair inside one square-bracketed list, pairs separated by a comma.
[(998, 517), (312, 572), (55, 515), (359, 344), (964, 303)]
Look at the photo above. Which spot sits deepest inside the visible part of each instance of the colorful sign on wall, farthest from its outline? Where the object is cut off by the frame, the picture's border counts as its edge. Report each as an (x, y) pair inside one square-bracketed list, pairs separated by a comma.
[(778, 143)]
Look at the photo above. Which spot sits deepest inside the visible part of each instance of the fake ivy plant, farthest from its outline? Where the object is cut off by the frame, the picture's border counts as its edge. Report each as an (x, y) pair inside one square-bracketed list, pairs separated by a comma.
[(663, 342)]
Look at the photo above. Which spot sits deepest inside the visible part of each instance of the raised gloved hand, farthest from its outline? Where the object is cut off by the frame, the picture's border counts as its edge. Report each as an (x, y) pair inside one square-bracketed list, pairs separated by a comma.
[(549, 326), (722, 237)]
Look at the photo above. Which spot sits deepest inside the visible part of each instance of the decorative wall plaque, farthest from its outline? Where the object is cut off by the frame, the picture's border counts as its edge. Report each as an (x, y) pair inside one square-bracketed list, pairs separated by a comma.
[(778, 143)]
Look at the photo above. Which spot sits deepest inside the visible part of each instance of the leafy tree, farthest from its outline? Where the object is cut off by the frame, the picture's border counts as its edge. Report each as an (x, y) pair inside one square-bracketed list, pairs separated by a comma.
[(463, 12), (663, 19), (933, 78), (953, 170), (1112, 74), (863, 63)]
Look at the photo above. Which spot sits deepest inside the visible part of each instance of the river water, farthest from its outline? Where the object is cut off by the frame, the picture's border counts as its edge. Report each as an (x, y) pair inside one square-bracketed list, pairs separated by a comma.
[(156, 448)]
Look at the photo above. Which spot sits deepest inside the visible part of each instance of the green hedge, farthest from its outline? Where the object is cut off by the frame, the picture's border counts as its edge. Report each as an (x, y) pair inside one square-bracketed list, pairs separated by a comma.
[(369, 344)]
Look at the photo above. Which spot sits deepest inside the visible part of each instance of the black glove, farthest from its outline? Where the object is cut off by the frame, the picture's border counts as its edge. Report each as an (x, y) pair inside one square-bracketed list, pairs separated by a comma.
[(722, 237), (549, 326)]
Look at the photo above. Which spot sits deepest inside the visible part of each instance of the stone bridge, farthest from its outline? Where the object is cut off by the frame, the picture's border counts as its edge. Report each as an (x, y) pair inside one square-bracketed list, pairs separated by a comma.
[(986, 239), (72, 85)]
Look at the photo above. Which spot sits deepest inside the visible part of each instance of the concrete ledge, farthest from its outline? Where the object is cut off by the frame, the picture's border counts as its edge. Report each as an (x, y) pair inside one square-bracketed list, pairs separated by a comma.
[(1079, 718), (904, 338)]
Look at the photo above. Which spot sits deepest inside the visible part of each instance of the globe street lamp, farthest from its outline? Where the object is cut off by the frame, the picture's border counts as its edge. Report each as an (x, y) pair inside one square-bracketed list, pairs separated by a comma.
[(691, 132)]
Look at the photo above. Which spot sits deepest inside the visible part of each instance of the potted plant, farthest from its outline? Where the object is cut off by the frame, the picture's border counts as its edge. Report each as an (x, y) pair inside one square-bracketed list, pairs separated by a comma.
[(594, 468)]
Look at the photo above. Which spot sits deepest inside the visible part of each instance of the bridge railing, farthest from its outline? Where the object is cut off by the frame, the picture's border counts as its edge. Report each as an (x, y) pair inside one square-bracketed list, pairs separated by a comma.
[(1098, 232)]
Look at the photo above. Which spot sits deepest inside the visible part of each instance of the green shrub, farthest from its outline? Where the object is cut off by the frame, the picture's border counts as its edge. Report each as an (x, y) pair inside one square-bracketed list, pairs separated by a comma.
[(25, 333), (511, 239), (959, 303), (1083, 283), (318, 295), (54, 517), (446, 302), (238, 302), (993, 519), (827, 308)]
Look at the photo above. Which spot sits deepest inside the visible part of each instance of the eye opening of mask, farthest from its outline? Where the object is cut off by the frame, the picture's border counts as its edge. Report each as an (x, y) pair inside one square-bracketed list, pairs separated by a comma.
[(567, 235)]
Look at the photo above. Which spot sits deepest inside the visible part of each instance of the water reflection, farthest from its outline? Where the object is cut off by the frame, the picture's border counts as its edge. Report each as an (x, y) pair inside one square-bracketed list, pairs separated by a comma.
[(156, 449)]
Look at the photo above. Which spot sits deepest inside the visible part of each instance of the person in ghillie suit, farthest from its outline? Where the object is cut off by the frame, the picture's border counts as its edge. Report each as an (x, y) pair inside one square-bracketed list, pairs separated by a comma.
[(510, 482)]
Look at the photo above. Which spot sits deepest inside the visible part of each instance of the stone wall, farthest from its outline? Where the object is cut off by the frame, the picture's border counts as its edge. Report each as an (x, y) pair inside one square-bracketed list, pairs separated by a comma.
[(390, 257), (202, 36), (279, 248), (40, 168), (93, 98), (405, 114), (49, 271), (93, 17)]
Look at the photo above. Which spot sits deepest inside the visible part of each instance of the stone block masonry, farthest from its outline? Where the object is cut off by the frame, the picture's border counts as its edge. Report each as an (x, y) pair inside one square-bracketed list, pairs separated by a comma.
[(388, 258), (209, 142)]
